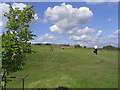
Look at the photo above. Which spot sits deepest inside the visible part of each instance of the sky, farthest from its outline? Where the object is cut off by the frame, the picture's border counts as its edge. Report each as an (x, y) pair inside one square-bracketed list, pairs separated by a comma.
[(71, 23)]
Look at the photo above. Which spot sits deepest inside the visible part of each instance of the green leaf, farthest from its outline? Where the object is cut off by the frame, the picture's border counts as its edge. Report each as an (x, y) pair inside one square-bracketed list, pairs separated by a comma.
[(14, 39)]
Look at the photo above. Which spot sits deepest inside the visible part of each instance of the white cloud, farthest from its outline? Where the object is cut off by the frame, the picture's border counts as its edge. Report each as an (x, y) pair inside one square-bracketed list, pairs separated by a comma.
[(54, 28), (84, 38), (117, 32), (80, 43), (109, 19), (47, 37), (35, 16), (98, 35), (112, 36), (111, 39), (19, 5), (86, 31), (5, 8), (84, 43), (33, 42), (46, 42), (66, 19), (115, 35)]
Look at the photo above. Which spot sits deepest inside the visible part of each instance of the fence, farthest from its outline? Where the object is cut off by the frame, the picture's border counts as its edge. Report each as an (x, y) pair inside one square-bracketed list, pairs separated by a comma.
[(23, 78)]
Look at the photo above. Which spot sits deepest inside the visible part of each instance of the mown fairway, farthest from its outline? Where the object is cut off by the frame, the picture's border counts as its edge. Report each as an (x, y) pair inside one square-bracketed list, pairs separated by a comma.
[(72, 68)]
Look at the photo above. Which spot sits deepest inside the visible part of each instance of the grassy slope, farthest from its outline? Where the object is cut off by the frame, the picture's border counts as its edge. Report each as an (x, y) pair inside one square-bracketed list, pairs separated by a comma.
[(74, 68)]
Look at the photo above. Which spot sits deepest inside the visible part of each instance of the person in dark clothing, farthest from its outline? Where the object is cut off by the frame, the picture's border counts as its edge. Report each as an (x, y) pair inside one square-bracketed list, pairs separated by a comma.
[(95, 51)]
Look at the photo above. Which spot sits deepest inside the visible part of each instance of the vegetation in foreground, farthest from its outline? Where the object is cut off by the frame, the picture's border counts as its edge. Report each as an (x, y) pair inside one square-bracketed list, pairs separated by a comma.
[(72, 68), (15, 40)]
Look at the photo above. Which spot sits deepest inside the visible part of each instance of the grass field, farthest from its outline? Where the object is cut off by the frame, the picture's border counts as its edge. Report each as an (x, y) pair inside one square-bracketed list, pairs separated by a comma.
[(72, 68)]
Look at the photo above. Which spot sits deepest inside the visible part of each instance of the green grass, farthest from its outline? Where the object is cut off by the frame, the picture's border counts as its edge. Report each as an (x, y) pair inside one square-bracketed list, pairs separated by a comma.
[(72, 68)]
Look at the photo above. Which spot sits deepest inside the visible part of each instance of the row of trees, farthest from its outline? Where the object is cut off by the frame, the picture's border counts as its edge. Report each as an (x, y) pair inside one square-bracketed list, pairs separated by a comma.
[(109, 47), (78, 46)]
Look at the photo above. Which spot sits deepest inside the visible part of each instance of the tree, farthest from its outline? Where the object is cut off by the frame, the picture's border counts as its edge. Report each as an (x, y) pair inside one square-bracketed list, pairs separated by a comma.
[(109, 47), (77, 46), (84, 46), (15, 44)]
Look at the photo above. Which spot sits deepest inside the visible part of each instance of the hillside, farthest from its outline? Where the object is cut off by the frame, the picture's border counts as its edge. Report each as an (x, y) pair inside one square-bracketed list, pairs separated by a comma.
[(72, 68)]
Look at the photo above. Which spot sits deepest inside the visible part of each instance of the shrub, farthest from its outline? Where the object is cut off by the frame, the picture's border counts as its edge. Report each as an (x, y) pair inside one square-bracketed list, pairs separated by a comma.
[(48, 44), (65, 44), (77, 46), (109, 47), (84, 46)]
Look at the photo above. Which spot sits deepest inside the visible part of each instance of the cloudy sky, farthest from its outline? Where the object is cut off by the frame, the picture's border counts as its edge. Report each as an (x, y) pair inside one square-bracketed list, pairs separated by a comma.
[(81, 23)]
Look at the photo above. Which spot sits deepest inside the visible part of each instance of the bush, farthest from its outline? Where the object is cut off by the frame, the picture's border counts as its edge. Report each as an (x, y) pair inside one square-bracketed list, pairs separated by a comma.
[(90, 48), (84, 46), (77, 46), (65, 44), (48, 44), (109, 47), (37, 44)]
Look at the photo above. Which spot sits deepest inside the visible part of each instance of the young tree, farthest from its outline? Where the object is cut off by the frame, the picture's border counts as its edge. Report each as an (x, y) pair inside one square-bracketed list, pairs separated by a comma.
[(85, 47), (15, 40)]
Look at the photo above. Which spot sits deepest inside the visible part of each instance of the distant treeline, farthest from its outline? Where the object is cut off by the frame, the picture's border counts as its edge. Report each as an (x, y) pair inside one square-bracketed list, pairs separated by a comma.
[(50, 44), (78, 46), (41, 44), (108, 47), (37, 44)]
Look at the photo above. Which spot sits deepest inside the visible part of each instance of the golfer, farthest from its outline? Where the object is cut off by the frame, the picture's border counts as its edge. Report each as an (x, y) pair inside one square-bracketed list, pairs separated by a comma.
[(62, 48), (51, 48), (95, 51)]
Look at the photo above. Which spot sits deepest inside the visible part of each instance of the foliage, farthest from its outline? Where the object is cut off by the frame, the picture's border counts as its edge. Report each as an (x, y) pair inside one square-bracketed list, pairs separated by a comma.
[(15, 40), (84, 46), (77, 46), (37, 44), (47, 44), (65, 44), (109, 47)]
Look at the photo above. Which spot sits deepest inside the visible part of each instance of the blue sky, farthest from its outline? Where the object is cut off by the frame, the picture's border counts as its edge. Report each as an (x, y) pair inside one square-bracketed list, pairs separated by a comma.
[(92, 24)]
